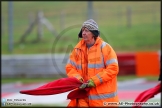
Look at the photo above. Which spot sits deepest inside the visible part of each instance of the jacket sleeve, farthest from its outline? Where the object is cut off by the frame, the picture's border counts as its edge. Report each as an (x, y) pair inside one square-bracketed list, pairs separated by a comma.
[(71, 66), (111, 66)]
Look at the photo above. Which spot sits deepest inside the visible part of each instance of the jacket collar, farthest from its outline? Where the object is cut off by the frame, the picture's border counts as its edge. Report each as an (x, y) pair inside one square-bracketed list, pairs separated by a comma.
[(81, 43)]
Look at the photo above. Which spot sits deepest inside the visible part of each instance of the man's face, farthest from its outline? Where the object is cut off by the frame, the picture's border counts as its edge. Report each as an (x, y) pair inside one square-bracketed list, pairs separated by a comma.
[(87, 35)]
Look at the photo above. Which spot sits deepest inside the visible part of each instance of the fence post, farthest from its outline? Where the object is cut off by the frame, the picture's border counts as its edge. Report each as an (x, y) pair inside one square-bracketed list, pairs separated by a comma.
[(62, 17), (129, 17), (40, 27), (90, 10), (2, 26), (10, 25), (95, 14)]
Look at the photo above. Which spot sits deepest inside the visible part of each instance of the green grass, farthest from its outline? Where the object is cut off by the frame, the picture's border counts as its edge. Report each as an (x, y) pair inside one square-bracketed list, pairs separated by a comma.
[(39, 80), (143, 35)]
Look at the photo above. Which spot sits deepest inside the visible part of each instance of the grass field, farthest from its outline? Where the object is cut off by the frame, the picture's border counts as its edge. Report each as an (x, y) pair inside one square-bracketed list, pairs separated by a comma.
[(143, 35)]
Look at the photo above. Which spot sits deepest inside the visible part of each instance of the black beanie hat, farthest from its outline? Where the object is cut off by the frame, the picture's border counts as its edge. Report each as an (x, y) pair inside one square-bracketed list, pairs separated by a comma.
[(92, 26)]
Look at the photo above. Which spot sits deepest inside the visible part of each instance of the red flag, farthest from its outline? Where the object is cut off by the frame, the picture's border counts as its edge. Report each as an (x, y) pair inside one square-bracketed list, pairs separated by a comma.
[(147, 94), (79, 93), (60, 86), (55, 87)]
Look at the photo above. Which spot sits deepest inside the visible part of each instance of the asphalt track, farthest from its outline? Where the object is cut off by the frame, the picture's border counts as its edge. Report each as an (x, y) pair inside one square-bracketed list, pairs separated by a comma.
[(127, 91)]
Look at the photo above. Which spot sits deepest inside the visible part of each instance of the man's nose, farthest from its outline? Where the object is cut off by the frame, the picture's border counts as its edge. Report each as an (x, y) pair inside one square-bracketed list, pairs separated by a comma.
[(84, 32)]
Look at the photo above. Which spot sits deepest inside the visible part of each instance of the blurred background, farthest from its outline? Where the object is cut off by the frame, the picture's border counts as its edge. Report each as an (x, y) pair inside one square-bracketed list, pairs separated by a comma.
[(37, 38)]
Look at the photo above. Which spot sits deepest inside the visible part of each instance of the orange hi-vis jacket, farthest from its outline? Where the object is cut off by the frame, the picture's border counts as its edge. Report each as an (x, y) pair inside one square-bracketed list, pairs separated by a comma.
[(98, 63)]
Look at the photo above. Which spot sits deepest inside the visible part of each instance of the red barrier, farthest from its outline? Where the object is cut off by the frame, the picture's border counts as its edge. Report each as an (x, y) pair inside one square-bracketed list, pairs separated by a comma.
[(127, 65), (139, 63)]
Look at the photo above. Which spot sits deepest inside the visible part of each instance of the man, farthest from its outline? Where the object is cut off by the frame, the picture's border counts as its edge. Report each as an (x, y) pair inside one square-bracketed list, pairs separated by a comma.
[(95, 62)]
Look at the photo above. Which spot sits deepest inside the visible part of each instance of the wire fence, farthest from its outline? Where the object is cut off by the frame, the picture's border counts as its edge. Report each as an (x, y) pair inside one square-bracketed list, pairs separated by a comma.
[(62, 16)]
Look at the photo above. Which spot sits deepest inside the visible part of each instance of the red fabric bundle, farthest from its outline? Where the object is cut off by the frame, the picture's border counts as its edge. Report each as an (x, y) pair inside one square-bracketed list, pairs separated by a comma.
[(60, 86), (147, 94), (79, 93)]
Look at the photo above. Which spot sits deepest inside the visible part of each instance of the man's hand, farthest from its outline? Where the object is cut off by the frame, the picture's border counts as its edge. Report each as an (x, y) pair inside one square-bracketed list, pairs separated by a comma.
[(83, 86), (91, 83)]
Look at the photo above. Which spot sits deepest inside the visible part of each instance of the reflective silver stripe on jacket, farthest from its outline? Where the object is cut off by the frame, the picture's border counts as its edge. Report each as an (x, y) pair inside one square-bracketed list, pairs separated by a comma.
[(74, 64), (98, 76), (97, 66), (103, 44), (111, 61), (102, 96)]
